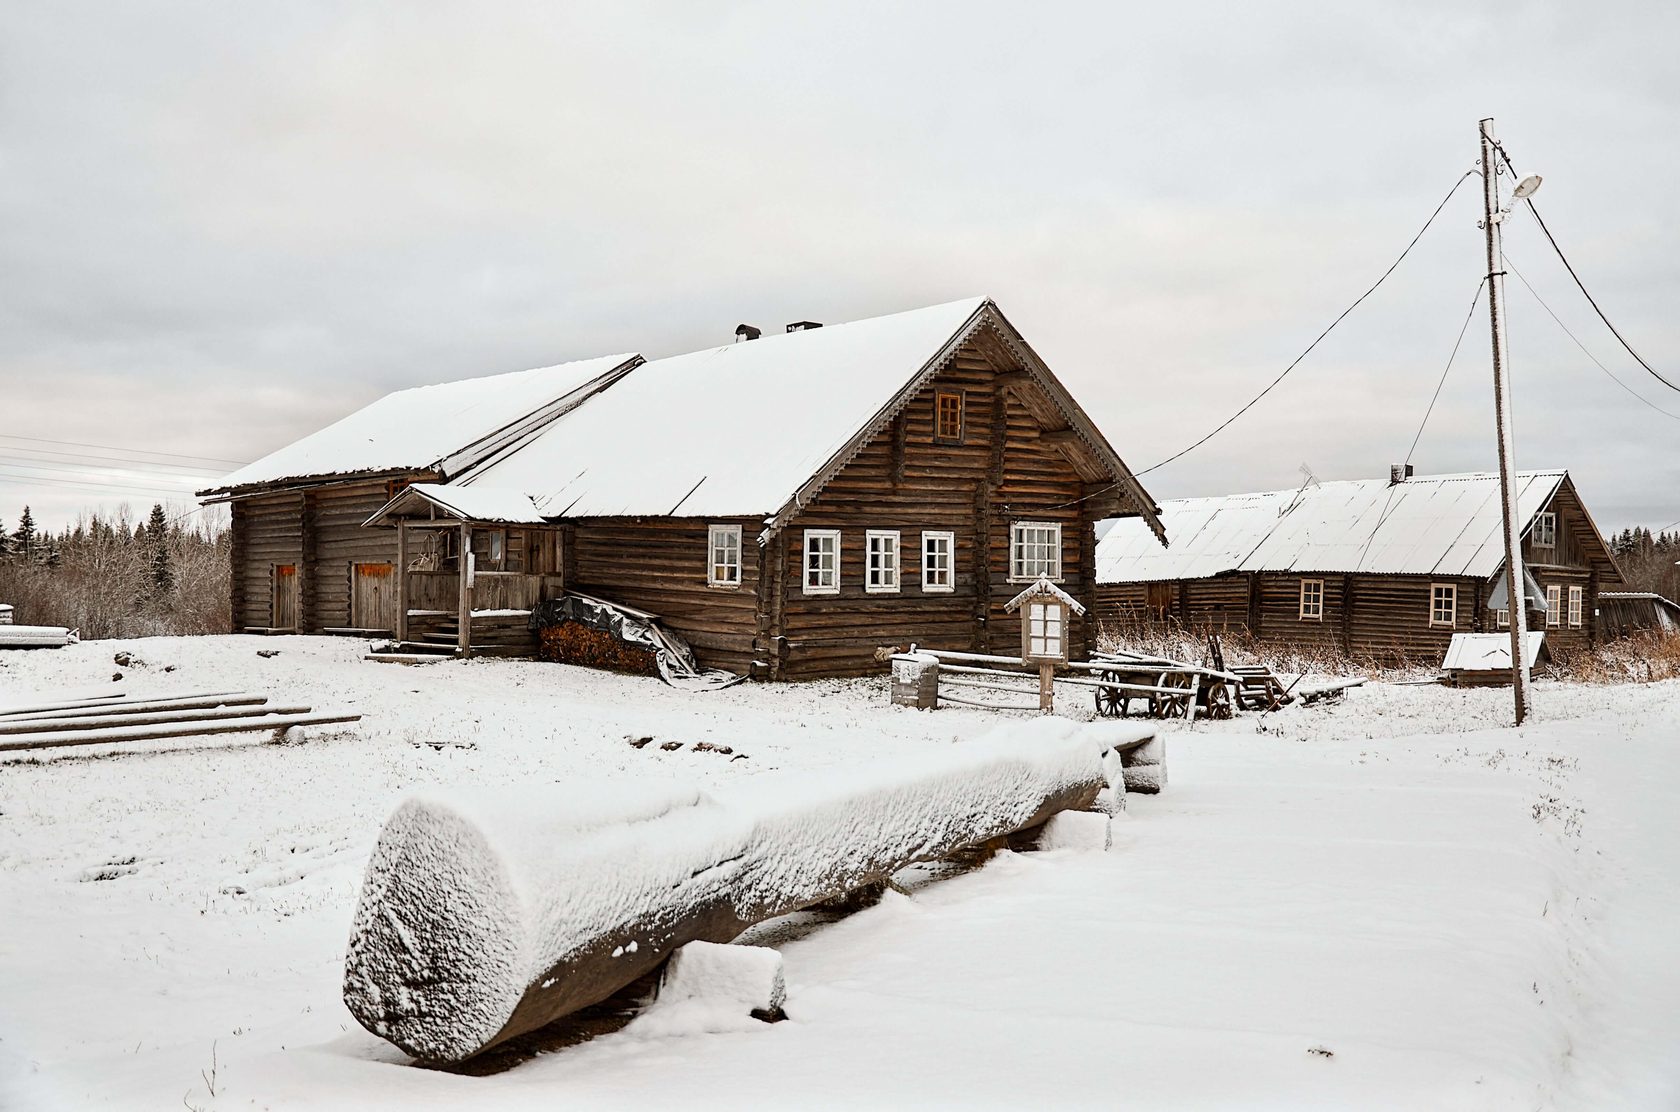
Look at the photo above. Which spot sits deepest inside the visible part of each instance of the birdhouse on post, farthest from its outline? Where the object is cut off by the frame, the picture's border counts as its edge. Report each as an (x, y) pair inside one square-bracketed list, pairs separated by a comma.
[(1045, 610)]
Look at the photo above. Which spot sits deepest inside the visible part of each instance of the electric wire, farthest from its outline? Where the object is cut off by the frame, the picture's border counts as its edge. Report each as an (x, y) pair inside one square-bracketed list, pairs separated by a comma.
[(84, 469), (1534, 212), (29, 480), (1595, 360), (57, 456), (116, 448), (1297, 360)]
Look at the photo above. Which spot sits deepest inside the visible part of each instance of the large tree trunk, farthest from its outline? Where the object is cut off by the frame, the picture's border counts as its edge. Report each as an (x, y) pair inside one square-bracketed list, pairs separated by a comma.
[(481, 920)]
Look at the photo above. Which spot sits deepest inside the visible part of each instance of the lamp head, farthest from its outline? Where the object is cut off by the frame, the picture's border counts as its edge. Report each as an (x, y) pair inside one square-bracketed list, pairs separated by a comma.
[(1526, 187)]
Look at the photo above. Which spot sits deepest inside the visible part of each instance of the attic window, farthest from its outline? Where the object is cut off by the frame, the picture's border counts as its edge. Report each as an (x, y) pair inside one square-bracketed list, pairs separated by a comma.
[(948, 417), (1545, 530)]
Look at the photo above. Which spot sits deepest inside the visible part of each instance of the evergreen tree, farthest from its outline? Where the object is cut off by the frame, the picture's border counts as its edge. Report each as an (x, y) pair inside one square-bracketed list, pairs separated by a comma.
[(157, 535), (5, 543), (23, 541)]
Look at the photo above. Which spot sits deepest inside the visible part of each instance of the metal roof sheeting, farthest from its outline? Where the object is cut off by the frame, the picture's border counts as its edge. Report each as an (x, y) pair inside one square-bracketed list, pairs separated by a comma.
[(1488, 652), (1435, 525)]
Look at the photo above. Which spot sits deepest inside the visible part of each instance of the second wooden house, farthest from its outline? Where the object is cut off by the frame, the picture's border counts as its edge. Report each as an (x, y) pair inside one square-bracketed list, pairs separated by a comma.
[(1388, 570)]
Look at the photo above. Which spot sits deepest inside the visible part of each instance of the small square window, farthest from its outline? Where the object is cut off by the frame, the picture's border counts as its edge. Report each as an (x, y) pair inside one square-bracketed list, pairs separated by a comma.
[(948, 417), (1443, 604), (1035, 549), (1503, 619), (822, 561), (1312, 600), (1545, 530), (1577, 607), (1554, 605), (881, 561), (724, 567), (938, 562)]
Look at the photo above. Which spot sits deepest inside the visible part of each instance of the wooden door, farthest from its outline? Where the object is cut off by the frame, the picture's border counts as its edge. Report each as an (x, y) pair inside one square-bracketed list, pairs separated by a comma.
[(285, 614), (373, 596)]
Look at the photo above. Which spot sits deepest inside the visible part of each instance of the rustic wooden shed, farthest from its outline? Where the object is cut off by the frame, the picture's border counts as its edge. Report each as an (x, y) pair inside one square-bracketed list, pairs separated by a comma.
[(303, 563), (799, 504), (1623, 614), (1369, 567)]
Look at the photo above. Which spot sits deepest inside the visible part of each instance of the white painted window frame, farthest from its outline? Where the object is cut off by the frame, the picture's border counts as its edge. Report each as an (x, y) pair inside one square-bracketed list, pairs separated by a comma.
[(1554, 606), (1047, 630), (725, 533), (1577, 606), (812, 535), (1316, 614), (1017, 556), (950, 541), (1545, 530), (896, 549), (1435, 620), (1502, 619)]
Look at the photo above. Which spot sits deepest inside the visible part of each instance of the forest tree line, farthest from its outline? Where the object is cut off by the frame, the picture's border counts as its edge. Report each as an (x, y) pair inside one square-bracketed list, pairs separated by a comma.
[(110, 576), (1648, 561)]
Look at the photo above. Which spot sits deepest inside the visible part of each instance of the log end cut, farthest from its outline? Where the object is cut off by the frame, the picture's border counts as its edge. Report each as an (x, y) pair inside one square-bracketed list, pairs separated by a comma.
[(434, 963)]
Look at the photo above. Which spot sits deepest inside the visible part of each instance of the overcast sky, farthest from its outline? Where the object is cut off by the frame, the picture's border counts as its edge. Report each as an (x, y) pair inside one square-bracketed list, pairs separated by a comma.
[(223, 226)]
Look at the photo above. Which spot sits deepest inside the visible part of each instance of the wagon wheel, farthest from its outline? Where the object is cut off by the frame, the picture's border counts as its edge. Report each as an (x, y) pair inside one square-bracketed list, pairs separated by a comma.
[(1219, 701), (1111, 701), (1173, 706)]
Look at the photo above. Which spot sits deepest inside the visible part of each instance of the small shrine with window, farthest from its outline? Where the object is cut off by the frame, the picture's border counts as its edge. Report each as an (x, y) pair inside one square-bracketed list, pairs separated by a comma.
[(1045, 612)]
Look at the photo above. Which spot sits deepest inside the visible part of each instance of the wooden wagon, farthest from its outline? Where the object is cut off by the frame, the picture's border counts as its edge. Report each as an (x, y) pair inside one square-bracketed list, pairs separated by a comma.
[(1167, 688)]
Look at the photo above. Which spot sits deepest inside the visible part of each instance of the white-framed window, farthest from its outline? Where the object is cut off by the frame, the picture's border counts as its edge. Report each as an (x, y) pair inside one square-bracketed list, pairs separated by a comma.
[(1502, 618), (724, 567), (1443, 604), (1577, 604), (1312, 600), (880, 567), (1545, 530), (1035, 549), (1554, 605), (822, 561), (1044, 629), (939, 562)]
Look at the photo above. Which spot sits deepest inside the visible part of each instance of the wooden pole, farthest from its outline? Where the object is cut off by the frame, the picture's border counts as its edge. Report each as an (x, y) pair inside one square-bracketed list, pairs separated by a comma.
[(1046, 687), (463, 636), (1516, 592), (402, 581)]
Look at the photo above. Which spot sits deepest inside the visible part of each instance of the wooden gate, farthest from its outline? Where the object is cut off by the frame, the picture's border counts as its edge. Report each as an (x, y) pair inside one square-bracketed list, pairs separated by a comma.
[(285, 614), (373, 597)]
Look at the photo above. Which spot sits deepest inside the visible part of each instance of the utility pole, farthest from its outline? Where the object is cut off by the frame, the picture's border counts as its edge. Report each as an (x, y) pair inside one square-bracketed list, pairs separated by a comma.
[(1515, 594)]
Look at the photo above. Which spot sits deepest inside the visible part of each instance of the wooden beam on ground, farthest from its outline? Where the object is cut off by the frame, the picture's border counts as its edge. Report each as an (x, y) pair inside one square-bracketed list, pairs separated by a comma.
[(275, 722), (63, 704), (155, 718), (144, 706)]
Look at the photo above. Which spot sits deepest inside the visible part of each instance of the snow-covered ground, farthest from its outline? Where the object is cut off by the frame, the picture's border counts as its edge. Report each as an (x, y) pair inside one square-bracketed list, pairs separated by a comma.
[(1387, 903)]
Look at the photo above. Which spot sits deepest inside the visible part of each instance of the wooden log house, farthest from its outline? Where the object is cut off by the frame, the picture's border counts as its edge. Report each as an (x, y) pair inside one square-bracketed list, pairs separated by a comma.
[(795, 505), (1385, 570)]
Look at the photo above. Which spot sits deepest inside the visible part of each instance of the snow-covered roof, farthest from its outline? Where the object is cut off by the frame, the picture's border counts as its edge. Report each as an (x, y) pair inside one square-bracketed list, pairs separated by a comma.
[(1434, 525), (446, 428), (1042, 587), (1488, 652), (731, 430), (487, 504)]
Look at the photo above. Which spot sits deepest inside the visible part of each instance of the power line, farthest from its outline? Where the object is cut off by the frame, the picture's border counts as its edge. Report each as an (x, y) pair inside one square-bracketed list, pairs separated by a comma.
[(13, 461), (18, 480), (85, 457), (116, 448), (1534, 212), (1297, 360), (1448, 368), (1596, 362)]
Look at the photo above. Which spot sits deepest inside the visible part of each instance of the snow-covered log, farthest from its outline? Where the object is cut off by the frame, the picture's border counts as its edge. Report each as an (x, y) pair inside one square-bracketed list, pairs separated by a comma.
[(485, 917)]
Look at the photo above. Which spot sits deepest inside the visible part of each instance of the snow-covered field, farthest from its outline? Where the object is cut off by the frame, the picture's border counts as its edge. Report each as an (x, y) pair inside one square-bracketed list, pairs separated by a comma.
[(1387, 903)]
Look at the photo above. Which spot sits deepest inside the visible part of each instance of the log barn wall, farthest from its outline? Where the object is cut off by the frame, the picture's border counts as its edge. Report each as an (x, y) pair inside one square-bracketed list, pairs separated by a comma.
[(335, 521), (267, 531)]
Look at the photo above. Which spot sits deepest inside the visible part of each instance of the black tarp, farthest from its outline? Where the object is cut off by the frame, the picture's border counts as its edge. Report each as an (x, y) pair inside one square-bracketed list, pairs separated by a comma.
[(630, 626)]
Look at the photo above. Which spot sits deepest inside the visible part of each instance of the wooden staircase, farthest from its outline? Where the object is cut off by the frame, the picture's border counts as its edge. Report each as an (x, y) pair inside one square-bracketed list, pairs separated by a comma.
[(491, 636)]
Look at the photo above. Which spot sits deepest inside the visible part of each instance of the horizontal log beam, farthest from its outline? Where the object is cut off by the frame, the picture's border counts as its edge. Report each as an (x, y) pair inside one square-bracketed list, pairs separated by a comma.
[(161, 733)]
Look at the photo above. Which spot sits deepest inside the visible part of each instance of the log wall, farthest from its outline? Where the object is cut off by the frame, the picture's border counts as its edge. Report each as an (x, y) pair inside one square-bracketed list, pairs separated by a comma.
[(335, 519), (266, 531), (660, 565)]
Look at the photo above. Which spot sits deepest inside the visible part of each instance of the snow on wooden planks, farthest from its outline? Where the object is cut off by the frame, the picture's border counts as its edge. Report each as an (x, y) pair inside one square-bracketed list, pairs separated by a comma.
[(483, 918), (99, 721)]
